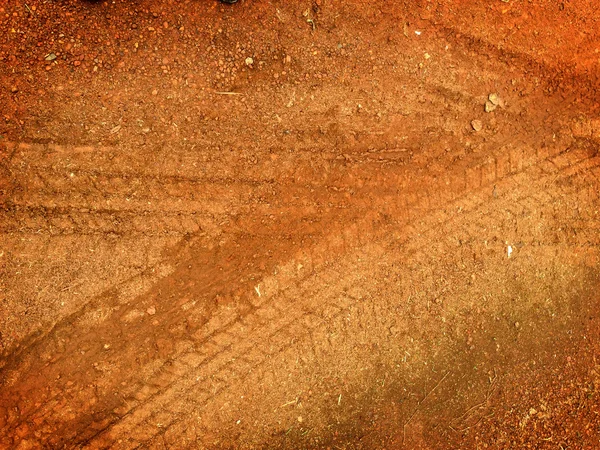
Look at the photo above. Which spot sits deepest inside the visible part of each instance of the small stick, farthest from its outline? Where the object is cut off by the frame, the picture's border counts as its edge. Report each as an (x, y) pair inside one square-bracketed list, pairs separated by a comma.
[(434, 388), (71, 286), (291, 402), (419, 404), (406, 423), (478, 405), (471, 426), (228, 93), (484, 402)]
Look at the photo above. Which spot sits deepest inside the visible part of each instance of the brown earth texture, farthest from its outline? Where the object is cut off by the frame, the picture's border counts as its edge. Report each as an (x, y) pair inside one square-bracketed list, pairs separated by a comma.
[(312, 224)]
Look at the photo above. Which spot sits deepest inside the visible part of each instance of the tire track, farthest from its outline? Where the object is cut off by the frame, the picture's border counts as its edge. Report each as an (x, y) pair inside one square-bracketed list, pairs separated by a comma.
[(470, 183), (297, 321)]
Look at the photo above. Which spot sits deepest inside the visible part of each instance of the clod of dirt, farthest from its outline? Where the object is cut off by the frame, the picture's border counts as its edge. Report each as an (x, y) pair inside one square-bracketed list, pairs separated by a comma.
[(477, 125)]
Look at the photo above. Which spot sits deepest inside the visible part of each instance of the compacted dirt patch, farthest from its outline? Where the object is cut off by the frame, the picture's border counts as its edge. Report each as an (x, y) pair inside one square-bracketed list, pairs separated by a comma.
[(314, 224)]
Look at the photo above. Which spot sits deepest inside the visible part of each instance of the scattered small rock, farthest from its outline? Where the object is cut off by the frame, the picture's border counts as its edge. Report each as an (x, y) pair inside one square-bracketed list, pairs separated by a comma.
[(494, 99), (517, 325), (300, 419), (477, 125), (249, 61), (154, 92), (151, 311), (50, 57), (489, 106), (14, 89)]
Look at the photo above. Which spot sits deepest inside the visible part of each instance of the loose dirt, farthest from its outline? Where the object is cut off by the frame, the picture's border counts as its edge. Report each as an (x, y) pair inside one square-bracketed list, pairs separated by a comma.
[(315, 224)]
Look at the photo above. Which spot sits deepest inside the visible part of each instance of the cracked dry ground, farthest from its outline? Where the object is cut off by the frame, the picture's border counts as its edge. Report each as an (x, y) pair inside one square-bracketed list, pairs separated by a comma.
[(309, 249)]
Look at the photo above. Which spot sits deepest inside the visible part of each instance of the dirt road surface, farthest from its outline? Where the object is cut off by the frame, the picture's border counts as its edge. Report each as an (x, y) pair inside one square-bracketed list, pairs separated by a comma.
[(314, 224)]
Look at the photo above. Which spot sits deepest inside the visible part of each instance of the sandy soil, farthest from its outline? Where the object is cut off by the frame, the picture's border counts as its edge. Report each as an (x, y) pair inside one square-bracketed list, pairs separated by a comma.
[(314, 224)]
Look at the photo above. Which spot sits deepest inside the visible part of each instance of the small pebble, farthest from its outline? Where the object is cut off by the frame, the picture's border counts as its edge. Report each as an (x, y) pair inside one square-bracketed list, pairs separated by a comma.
[(151, 311), (489, 106), (50, 57), (249, 61), (494, 99), (477, 125)]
